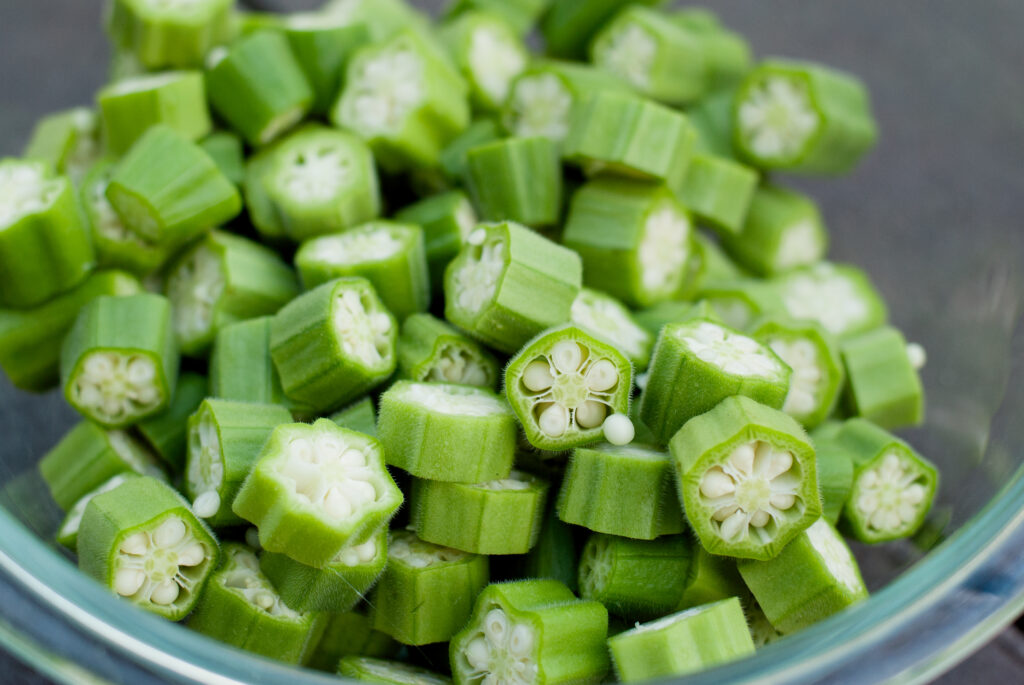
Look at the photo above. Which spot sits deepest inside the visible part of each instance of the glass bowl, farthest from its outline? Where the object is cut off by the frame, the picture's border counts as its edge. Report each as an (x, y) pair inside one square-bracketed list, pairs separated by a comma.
[(933, 214)]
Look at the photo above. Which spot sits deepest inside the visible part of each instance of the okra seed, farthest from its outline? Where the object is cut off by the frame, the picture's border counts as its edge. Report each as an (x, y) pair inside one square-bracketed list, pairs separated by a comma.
[(136, 544), (537, 376), (207, 504), (352, 458), (917, 355), (566, 356), (128, 581), (170, 532), (618, 429), (590, 414), (336, 504), (165, 593), (554, 420), (192, 555), (777, 117), (478, 653), (602, 376)]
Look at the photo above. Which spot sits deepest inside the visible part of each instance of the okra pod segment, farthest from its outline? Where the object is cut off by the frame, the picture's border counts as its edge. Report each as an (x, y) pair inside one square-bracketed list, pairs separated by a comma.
[(516, 179), (68, 140), (453, 156), (718, 191), (322, 46), (374, 670), (166, 432), (710, 579), (430, 350), (835, 475), (488, 52), (727, 57), (569, 25), (883, 385), (67, 534), (241, 368), (163, 35), (383, 18), (840, 297), (228, 152), (611, 321), (447, 220)]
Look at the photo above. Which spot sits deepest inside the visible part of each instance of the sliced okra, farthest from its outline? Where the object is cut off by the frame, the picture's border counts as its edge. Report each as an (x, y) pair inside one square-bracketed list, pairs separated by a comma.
[(317, 489), (169, 34), (569, 25), (166, 432), (358, 416), (653, 319), (447, 220), (67, 534), (716, 265), (883, 385), (611, 321), (445, 432), (520, 15), (727, 56), (489, 54), (383, 18), (68, 140), (719, 192), (840, 297), (741, 302), (373, 670), (322, 45), (142, 541), (554, 555), (712, 118), (453, 156), (531, 631), (430, 350), (835, 475), (241, 368), (426, 592), (350, 633), (228, 152), (710, 578), (516, 179)]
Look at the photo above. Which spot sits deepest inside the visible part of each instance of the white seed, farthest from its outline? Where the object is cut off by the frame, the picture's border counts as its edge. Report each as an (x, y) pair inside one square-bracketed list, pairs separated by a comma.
[(171, 532), (477, 237), (358, 492), (566, 356), (618, 429), (336, 504), (554, 421), (590, 414), (782, 502), (264, 600), (98, 367), (725, 512), (734, 525), (165, 593), (367, 551), (917, 355), (141, 370), (381, 322), (300, 448), (207, 504), (742, 459), (760, 518), (352, 459), (717, 483), (779, 463), (521, 641), (537, 376), (136, 544), (496, 627), (914, 494), (602, 376), (128, 581), (478, 654), (193, 555), (252, 538)]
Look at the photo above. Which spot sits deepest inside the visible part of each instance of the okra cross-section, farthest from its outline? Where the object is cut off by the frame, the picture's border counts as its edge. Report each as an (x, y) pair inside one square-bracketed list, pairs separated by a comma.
[(611, 321), (430, 350), (883, 385), (488, 53), (374, 670), (170, 33), (565, 385), (317, 489), (840, 297), (747, 478)]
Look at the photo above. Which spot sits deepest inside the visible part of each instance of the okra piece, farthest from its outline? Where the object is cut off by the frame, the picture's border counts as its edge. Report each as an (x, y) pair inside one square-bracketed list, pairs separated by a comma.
[(241, 368), (516, 179), (840, 297), (373, 670), (747, 478), (821, 578), (633, 238), (241, 607), (566, 387), (554, 555), (350, 633), (761, 631), (696, 364), (883, 384), (610, 321), (711, 579), (68, 141), (430, 350), (67, 534), (570, 25), (489, 54), (453, 156), (634, 578), (627, 491), (142, 541), (727, 57), (333, 343), (322, 45), (783, 231), (835, 476), (227, 151), (687, 642), (718, 191), (359, 416), (531, 631), (166, 432), (426, 592), (317, 489), (893, 486), (716, 265), (802, 118), (119, 361), (447, 220), (520, 15), (742, 302), (383, 18), (390, 255), (653, 319), (712, 118), (508, 284), (175, 34), (445, 432)]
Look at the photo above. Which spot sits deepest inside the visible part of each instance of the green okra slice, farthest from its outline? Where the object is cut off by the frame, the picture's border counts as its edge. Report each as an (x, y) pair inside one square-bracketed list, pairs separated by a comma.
[(142, 541), (445, 432), (44, 246), (350, 633), (119, 361), (516, 179), (488, 52), (322, 44), (565, 386), (67, 534), (687, 642), (317, 489), (453, 156), (611, 321), (520, 15), (392, 256), (653, 319), (68, 140), (802, 118), (508, 284), (447, 219), (814, 577), (715, 265), (427, 591), (742, 301), (496, 517), (224, 441), (228, 153), (712, 119), (893, 486), (627, 491), (169, 191), (762, 632), (718, 191), (710, 578), (883, 384), (633, 238), (430, 350), (531, 631), (241, 368), (175, 34), (333, 343), (727, 55), (359, 416), (166, 432), (747, 478), (569, 25), (696, 364), (369, 669), (835, 476), (383, 18), (840, 297), (241, 607)]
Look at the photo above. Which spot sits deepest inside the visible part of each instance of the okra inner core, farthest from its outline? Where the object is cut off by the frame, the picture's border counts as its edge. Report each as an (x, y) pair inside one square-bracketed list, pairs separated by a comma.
[(453, 399), (414, 552), (314, 173), (495, 61), (541, 105), (731, 352), (629, 51), (74, 518), (777, 118), (205, 466), (362, 329), (595, 567), (107, 222), (114, 386), (476, 281), (611, 321), (827, 297), (835, 554), (359, 555), (455, 363), (799, 245), (24, 190), (663, 250), (807, 379), (381, 95), (517, 480), (161, 563), (242, 576), (359, 246), (194, 288), (891, 494), (502, 651)]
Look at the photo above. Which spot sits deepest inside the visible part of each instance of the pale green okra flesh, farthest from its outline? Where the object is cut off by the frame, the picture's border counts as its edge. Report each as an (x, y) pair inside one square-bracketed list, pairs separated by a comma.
[(611, 321)]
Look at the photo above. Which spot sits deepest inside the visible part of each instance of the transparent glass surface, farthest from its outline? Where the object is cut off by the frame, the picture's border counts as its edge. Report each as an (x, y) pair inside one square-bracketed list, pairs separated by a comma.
[(934, 214)]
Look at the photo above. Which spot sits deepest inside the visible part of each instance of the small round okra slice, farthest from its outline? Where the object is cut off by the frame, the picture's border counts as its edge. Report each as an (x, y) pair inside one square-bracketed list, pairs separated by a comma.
[(687, 642), (747, 478), (565, 385), (430, 350), (426, 592), (508, 284), (883, 383), (170, 33), (819, 577), (611, 321), (333, 343), (531, 631), (447, 219), (322, 45), (316, 490), (67, 534), (488, 53), (840, 297), (142, 541), (68, 140), (373, 670), (516, 179), (445, 432), (718, 191), (166, 432), (350, 633), (696, 364)]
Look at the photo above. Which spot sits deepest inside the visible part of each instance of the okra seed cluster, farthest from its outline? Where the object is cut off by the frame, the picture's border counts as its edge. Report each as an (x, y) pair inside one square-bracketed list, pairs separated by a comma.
[(206, 473), (117, 385), (503, 652), (314, 173), (891, 495), (541, 107), (418, 554), (569, 387), (630, 52), (806, 379), (777, 117), (453, 400), (385, 92), (825, 297), (153, 564), (364, 332), (330, 475), (731, 352), (357, 555), (456, 365), (195, 286), (663, 249), (835, 554), (500, 60), (24, 190), (477, 280)]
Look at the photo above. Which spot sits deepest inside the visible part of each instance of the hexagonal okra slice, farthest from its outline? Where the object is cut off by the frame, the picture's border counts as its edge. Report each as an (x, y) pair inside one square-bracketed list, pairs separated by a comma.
[(883, 384), (374, 670), (611, 321), (840, 297), (430, 350), (747, 478), (317, 489)]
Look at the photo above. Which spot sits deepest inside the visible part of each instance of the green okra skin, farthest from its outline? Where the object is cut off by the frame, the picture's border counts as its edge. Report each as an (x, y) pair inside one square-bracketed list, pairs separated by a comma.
[(446, 432), (653, 319), (611, 321), (742, 302), (374, 670), (264, 213), (814, 577), (520, 15), (142, 541), (67, 534), (242, 608), (162, 36), (429, 349), (317, 489), (488, 52), (516, 179), (802, 118), (570, 25), (333, 343), (712, 118), (350, 633), (716, 265), (761, 630), (687, 642), (627, 491), (426, 592), (710, 579), (508, 284), (322, 46), (453, 156), (67, 140), (883, 385), (840, 297), (165, 433), (747, 478), (383, 18), (633, 237), (358, 416), (719, 192), (228, 153), (242, 369), (698, 363), (119, 361), (532, 631), (727, 55), (835, 476), (554, 555), (447, 219), (390, 255), (565, 385)]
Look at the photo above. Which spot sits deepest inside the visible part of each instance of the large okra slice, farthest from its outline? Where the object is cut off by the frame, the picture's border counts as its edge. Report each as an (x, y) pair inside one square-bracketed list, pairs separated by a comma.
[(696, 364), (68, 140), (508, 284), (373, 670), (67, 533), (358, 416), (316, 490), (350, 633), (609, 320), (452, 433), (747, 478), (565, 385), (883, 384), (333, 343), (840, 297), (322, 44), (426, 592), (718, 191), (531, 631), (169, 33), (119, 362), (569, 25), (241, 368), (488, 53), (166, 433), (430, 350), (783, 230), (447, 220), (516, 179), (143, 542)]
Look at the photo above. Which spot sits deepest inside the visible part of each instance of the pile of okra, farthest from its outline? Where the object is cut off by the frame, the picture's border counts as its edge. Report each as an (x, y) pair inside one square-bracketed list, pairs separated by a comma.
[(405, 353)]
